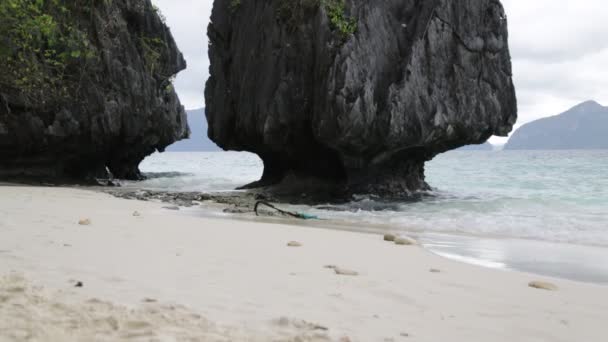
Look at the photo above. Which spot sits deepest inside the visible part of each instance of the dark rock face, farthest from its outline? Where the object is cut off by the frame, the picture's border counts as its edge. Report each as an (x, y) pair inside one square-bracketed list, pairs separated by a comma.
[(108, 110), (582, 127), (360, 93)]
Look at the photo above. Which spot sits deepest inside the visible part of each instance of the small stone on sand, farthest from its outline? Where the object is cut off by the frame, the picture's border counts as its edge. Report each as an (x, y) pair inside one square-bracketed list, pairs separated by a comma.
[(172, 207), (389, 237), (318, 327), (434, 270), (541, 285), (149, 300), (85, 222), (345, 272), (294, 244), (136, 213), (78, 284), (405, 241)]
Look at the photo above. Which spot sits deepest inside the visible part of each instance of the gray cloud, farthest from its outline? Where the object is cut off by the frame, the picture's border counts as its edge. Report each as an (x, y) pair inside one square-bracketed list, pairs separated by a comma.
[(559, 51)]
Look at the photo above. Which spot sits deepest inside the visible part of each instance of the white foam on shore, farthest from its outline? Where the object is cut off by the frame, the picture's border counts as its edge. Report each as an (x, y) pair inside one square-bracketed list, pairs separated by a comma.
[(469, 260)]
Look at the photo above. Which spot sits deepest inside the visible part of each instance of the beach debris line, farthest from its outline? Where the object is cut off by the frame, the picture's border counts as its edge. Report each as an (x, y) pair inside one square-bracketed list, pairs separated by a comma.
[(293, 214), (542, 285), (85, 222)]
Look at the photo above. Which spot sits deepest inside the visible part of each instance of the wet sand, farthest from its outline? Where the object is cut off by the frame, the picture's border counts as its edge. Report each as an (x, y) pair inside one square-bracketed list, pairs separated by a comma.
[(561, 260)]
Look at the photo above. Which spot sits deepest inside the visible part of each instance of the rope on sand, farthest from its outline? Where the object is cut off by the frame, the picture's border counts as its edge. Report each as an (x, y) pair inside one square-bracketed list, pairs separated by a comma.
[(297, 215)]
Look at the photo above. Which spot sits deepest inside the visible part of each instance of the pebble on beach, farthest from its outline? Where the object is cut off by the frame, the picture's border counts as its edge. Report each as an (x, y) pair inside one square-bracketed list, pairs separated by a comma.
[(345, 272), (405, 241), (294, 244), (136, 213), (84, 222), (542, 285), (389, 237), (171, 207)]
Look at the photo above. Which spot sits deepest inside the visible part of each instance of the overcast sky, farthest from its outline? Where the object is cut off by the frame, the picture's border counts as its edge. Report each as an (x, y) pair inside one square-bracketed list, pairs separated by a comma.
[(559, 50)]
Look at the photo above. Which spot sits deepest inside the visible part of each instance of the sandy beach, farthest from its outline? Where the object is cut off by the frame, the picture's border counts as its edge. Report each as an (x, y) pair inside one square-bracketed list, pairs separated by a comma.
[(166, 276)]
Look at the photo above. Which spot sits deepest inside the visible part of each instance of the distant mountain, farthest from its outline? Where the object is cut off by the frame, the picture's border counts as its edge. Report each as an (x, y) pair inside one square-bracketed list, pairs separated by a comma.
[(198, 138), (582, 127), (482, 147)]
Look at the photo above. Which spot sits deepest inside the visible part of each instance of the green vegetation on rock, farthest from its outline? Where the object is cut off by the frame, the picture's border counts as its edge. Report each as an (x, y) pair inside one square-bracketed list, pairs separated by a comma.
[(293, 11), (40, 47), (152, 52), (234, 5), (336, 12), (48, 48)]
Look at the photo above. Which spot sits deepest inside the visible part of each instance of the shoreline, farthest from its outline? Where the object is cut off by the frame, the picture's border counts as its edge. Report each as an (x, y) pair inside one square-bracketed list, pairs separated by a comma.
[(462, 247), (242, 274), (562, 260)]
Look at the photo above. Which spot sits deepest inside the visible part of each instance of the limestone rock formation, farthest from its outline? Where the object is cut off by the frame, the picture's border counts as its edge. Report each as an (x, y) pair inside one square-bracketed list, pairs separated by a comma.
[(89, 89), (360, 93)]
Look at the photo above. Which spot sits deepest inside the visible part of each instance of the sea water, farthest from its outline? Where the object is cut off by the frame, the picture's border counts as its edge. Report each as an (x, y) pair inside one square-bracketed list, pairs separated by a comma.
[(559, 198)]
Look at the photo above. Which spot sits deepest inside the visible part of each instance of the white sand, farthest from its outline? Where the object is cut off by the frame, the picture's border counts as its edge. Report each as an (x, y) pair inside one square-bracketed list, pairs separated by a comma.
[(249, 285)]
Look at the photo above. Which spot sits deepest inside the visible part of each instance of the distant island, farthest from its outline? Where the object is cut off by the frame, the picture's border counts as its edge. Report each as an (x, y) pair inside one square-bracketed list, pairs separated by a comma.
[(583, 127), (198, 140)]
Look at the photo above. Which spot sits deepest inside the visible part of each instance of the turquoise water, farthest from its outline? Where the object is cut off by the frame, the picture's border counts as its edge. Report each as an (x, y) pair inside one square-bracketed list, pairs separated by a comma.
[(555, 196), (559, 196)]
